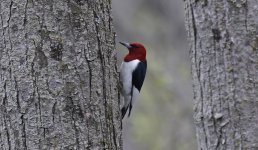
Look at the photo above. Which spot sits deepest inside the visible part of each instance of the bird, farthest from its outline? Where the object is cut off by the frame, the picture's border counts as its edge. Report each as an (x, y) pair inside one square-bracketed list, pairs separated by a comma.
[(132, 74)]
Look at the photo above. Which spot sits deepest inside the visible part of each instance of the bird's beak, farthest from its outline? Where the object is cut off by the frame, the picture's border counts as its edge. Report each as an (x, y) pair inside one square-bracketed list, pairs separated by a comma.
[(126, 44)]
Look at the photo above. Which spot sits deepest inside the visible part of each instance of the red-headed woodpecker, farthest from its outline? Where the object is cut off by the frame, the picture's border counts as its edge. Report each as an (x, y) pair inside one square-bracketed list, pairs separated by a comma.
[(132, 74)]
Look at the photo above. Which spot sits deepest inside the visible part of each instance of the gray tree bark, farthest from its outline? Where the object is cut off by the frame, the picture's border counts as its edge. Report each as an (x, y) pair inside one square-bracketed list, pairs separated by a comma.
[(223, 36), (58, 77)]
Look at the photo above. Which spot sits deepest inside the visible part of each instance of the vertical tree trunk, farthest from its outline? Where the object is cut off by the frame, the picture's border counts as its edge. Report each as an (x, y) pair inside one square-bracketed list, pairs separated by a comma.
[(224, 53), (58, 79)]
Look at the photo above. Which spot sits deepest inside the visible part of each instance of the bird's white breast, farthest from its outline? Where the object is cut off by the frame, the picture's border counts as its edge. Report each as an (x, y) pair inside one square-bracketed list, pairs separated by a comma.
[(126, 71)]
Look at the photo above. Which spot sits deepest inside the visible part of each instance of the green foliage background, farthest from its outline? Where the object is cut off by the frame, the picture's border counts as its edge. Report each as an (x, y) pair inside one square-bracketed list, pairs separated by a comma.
[(162, 117)]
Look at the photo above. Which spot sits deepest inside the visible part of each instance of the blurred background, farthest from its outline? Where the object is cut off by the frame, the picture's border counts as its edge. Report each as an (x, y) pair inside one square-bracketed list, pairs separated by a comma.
[(161, 119)]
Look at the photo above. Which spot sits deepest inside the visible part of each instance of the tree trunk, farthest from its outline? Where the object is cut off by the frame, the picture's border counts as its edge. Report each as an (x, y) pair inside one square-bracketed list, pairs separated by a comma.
[(58, 77), (224, 54)]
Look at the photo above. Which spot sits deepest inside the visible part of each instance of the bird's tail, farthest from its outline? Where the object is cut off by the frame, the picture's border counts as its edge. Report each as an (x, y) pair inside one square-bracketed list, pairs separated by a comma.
[(123, 111), (130, 108)]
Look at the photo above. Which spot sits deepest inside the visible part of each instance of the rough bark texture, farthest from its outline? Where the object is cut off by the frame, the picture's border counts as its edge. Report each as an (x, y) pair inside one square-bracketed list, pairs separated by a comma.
[(58, 79), (223, 36)]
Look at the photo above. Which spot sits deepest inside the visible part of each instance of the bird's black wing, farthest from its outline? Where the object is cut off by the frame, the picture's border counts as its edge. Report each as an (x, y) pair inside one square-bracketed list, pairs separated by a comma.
[(139, 75), (137, 79)]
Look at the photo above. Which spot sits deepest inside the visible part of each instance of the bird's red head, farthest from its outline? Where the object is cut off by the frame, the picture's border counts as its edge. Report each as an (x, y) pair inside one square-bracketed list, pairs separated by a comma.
[(136, 51)]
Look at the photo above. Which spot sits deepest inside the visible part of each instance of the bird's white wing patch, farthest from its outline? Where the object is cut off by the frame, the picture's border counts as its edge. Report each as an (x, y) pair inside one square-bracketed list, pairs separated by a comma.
[(135, 94), (126, 71)]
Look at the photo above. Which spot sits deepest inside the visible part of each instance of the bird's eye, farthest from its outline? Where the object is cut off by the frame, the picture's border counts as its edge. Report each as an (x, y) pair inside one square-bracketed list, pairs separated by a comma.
[(135, 46)]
